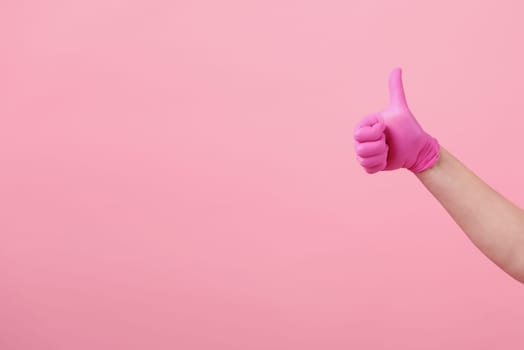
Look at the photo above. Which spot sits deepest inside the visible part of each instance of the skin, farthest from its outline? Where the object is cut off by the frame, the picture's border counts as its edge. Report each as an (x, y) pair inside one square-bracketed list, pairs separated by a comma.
[(492, 223)]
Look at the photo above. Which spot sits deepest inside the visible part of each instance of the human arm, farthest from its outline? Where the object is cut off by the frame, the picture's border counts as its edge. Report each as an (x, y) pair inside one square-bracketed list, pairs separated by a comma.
[(493, 223), (393, 139)]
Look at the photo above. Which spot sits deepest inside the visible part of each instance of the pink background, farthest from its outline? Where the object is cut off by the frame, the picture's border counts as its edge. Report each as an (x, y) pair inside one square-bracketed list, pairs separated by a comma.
[(181, 174)]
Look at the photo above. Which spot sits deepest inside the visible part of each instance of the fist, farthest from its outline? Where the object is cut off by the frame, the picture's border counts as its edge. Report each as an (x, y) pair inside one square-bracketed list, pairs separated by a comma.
[(394, 139)]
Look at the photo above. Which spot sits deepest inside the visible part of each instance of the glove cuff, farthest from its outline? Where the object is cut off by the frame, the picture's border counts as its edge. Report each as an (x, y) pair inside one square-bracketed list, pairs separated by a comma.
[(428, 155)]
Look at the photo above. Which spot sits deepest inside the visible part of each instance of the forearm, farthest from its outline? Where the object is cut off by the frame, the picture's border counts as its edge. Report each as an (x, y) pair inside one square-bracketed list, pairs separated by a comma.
[(493, 223)]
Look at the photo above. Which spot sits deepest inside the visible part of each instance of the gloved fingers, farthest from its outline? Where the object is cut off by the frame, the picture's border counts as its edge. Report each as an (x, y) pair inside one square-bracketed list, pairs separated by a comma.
[(375, 168), (373, 161), (371, 148), (370, 128), (396, 90), (369, 120)]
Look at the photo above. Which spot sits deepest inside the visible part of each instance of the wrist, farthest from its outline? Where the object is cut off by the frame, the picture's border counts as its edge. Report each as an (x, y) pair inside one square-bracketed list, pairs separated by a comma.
[(428, 156)]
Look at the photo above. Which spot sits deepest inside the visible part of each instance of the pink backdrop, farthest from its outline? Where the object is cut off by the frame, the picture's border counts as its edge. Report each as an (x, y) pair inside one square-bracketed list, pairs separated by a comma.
[(181, 175)]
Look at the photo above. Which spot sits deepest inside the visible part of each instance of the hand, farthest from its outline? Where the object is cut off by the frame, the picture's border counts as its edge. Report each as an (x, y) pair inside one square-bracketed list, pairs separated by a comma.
[(393, 139)]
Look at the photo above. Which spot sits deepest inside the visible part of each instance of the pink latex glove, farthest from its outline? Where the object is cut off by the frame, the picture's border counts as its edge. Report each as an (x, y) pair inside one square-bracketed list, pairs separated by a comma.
[(393, 139)]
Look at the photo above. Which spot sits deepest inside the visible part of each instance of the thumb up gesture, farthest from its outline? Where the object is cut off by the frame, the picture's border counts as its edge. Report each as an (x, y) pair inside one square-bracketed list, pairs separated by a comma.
[(393, 139)]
